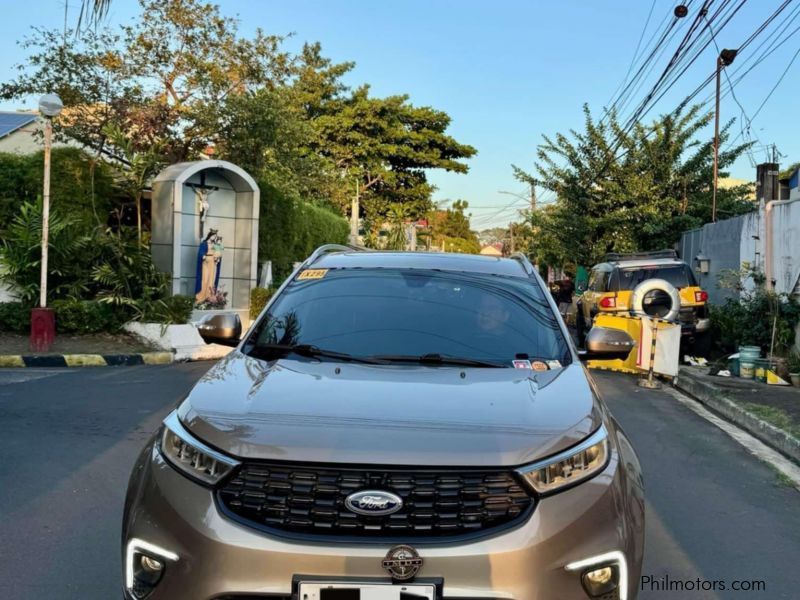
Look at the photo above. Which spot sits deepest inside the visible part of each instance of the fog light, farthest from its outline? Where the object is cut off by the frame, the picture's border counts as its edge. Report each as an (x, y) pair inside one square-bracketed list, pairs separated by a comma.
[(598, 582), (144, 567), (604, 576)]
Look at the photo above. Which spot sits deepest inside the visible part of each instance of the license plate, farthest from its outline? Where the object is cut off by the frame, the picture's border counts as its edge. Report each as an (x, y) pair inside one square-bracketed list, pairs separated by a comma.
[(365, 591)]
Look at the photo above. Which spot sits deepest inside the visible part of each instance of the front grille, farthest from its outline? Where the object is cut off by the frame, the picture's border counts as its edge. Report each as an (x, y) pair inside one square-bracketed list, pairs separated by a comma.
[(311, 500)]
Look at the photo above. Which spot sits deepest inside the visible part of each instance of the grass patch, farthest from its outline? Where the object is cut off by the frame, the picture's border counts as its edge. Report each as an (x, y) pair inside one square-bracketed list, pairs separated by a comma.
[(781, 478), (774, 416)]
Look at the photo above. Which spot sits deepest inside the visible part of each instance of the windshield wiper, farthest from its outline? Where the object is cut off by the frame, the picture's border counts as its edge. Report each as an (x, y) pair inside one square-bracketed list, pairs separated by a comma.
[(438, 359), (310, 351)]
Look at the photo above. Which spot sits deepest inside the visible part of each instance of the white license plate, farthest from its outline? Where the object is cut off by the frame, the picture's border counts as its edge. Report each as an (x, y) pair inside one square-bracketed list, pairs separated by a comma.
[(365, 591)]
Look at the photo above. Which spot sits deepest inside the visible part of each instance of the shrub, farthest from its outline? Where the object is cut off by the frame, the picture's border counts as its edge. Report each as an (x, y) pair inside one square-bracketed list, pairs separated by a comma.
[(290, 229), (751, 321), (79, 181), (258, 300), (172, 310), (14, 317), (88, 316), (84, 262)]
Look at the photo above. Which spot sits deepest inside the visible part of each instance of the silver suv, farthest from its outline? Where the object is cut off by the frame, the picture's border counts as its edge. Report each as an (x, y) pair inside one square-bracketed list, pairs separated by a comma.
[(394, 426)]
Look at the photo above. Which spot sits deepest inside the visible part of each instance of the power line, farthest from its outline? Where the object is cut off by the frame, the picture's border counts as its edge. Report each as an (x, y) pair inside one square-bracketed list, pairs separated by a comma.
[(635, 52), (777, 83), (635, 81)]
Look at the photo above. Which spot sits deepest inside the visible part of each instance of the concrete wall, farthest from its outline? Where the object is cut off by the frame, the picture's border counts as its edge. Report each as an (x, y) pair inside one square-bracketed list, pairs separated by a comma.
[(720, 242), (740, 242)]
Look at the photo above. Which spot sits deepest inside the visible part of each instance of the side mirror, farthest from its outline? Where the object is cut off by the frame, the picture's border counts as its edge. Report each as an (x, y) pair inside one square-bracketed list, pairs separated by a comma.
[(224, 328), (603, 343)]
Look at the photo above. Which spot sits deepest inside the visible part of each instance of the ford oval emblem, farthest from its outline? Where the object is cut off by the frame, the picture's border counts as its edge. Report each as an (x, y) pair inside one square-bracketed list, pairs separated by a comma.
[(373, 502)]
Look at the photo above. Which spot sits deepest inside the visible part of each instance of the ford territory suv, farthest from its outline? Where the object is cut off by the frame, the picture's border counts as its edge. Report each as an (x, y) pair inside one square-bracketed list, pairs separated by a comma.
[(394, 426)]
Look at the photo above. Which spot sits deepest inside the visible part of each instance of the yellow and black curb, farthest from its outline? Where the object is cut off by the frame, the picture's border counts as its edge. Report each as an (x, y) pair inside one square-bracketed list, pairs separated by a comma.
[(85, 360)]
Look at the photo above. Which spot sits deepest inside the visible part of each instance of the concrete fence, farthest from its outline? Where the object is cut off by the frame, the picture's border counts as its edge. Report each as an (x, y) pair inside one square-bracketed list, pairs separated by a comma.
[(746, 241)]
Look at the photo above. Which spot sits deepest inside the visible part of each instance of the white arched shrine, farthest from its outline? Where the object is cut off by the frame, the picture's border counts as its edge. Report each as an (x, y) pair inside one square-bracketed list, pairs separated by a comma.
[(189, 199)]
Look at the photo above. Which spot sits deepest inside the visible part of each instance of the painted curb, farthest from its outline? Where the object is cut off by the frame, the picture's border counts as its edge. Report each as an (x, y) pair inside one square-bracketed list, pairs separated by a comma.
[(86, 360), (716, 399)]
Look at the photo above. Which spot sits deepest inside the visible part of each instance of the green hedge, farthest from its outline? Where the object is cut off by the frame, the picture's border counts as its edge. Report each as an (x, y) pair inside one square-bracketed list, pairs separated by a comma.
[(258, 300), (14, 317), (91, 316), (74, 178), (290, 229), (87, 316)]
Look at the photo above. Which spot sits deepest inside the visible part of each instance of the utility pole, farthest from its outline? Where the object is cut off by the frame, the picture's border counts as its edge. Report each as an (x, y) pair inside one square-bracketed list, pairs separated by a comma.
[(724, 59), (354, 209), (511, 232), (533, 198)]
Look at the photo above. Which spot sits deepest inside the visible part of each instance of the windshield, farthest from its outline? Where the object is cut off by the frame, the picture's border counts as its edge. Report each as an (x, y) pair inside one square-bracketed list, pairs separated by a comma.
[(396, 313), (679, 276)]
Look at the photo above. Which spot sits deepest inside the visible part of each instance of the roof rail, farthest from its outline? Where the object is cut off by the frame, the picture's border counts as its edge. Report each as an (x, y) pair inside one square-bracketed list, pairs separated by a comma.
[(617, 256), (524, 261), (328, 248)]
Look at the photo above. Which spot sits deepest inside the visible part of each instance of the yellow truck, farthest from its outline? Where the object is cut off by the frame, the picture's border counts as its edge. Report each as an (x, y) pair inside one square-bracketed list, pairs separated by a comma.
[(611, 285)]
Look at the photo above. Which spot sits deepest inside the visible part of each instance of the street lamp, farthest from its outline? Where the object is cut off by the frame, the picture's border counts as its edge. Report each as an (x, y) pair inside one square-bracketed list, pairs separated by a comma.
[(43, 323), (725, 58)]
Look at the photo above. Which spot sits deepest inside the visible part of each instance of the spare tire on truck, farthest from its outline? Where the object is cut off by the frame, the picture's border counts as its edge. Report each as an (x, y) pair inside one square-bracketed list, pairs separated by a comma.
[(656, 298)]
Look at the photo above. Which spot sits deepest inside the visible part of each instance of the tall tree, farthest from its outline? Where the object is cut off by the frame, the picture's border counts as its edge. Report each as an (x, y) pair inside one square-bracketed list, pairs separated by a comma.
[(450, 229), (621, 190), (163, 78)]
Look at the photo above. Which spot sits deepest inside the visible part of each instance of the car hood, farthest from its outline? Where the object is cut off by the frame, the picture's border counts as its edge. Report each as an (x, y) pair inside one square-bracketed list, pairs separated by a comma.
[(329, 412)]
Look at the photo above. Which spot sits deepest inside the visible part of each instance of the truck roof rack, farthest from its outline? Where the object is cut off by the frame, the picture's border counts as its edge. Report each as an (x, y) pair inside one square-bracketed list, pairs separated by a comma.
[(618, 256)]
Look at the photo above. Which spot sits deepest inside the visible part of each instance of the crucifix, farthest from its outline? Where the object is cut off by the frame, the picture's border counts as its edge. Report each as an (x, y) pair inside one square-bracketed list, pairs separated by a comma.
[(203, 191)]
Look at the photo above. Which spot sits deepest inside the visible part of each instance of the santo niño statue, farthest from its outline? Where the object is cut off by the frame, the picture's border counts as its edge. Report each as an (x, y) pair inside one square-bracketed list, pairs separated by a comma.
[(209, 260)]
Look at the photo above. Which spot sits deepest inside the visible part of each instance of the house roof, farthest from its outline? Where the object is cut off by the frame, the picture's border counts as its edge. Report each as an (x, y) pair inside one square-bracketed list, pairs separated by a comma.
[(11, 121)]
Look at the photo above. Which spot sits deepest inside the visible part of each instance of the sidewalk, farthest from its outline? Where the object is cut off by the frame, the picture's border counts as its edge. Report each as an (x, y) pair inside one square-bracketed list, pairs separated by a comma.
[(768, 412)]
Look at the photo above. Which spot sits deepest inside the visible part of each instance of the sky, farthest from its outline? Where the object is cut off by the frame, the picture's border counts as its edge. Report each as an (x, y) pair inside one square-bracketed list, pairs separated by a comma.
[(506, 71)]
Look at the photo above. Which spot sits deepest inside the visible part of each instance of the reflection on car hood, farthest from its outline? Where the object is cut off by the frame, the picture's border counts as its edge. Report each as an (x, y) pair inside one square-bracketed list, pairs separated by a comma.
[(333, 412)]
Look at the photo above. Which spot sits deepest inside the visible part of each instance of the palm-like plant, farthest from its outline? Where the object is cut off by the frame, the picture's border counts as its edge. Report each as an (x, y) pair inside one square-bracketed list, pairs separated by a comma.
[(93, 11), (397, 216), (140, 167)]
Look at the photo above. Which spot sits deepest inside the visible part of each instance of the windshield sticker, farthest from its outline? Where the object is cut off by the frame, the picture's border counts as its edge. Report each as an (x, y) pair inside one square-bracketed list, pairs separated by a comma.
[(538, 365), (522, 364), (312, 274), (554, 364)]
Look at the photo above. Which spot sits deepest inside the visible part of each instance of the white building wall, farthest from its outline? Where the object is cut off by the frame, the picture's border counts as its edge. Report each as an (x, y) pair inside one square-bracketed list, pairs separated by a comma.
[(786, 246)]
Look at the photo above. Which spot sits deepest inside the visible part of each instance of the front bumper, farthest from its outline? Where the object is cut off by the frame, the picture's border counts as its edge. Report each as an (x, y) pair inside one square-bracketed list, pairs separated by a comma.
[(218, 558)]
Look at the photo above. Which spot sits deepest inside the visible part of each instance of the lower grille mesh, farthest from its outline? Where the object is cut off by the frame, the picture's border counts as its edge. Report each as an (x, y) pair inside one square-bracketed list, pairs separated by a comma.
[(311, 500)]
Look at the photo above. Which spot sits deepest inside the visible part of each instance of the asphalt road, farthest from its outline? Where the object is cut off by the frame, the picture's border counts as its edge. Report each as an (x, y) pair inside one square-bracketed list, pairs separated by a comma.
[(69, 438)]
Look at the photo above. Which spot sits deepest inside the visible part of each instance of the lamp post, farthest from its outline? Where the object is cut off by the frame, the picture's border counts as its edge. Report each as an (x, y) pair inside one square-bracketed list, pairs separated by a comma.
[(725, 58), (42, 318)]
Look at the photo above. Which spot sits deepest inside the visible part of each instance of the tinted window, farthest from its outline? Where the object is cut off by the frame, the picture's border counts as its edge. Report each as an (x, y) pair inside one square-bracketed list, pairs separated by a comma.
[(598, 281), (678, 275), (369, 312)]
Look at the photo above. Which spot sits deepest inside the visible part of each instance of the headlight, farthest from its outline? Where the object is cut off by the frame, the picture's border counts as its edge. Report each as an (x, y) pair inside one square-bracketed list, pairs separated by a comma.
[(571, 466), (191, 456)]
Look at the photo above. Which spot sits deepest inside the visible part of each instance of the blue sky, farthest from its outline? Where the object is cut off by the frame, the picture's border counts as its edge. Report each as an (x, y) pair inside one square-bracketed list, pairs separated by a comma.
[(506, 71)]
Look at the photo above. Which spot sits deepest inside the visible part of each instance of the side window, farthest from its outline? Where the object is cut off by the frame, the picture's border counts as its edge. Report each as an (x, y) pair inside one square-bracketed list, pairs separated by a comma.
[(593, 280), (613, 281), (602, 281), (598, 282)]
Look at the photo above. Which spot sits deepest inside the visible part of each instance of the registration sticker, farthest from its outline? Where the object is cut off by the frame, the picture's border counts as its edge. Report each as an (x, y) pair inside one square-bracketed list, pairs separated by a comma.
[(312, 274), (522, 364), (538, 365), (554, 364)]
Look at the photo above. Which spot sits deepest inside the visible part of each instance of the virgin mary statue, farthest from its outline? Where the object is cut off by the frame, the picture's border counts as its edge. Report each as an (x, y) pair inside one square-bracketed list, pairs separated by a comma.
[(209, 258)]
